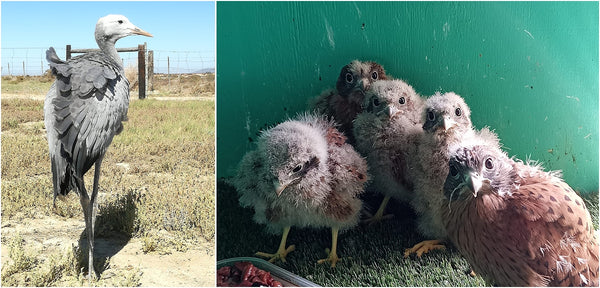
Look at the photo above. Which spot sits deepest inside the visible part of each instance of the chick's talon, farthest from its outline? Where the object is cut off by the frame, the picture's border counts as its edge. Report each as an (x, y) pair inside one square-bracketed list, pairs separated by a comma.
[(332, 258), (373, 219), (279, 255), (424, 247)]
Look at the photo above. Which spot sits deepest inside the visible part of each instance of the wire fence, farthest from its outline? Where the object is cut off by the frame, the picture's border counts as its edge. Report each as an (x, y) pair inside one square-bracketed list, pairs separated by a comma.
[(32, 61)]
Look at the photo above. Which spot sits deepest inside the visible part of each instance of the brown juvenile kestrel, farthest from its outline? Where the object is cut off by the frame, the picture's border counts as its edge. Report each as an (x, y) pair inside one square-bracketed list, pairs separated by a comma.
[(344, 102), (516, 224)]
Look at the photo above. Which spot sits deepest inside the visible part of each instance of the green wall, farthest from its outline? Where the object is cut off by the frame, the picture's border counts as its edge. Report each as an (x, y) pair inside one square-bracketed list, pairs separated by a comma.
[(529, 70)]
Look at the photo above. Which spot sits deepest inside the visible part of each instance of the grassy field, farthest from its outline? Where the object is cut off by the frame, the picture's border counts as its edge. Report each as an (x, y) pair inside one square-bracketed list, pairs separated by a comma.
[(156, 185), (179, 85), (371, 255)]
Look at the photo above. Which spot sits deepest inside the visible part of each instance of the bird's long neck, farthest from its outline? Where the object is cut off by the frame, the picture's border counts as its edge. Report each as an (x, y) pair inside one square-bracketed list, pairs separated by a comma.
[(107, 45)]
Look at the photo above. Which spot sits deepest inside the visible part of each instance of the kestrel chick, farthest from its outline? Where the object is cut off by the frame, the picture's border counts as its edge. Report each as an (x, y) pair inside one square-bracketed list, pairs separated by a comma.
[(447, 121), (515, 223), (344, 102), (386, 132), (302, 174)]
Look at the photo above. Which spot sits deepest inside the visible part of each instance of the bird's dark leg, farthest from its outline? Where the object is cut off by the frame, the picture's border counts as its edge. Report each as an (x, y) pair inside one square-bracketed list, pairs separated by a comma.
[(92, 212), (282, 251), (332, 256), (84, 199)]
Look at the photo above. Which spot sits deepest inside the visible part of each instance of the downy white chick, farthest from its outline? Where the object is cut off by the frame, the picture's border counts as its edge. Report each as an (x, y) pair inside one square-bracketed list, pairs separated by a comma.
[(302, 174), (447, 122), (387, 131)]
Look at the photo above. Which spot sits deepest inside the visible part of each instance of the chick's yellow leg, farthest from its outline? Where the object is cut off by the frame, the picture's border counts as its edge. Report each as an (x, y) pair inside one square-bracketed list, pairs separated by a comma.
[(378, 217), (424, 247), (282, 251), (332, 254)]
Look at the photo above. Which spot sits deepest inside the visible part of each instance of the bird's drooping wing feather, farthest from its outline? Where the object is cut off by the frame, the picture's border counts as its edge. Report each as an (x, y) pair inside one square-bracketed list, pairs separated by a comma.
[(556, 214), (89, 100)]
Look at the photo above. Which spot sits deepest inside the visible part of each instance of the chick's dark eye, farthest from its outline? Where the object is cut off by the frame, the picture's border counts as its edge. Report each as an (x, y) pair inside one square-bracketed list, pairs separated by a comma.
[(349, 78), (430, 115), (375, 102), (489, 164), (402, 100), (458, 112), (120, 21), (374, 75), (297, 168), (453, 171)]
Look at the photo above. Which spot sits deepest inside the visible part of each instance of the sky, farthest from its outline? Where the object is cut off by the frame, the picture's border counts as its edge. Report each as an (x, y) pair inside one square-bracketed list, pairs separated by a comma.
[(183, 31)]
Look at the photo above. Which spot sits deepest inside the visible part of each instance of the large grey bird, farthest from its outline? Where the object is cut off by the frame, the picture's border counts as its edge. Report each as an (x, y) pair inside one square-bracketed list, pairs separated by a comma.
[(83, 111), (302, 174), (345, 101), (517, 224), (387, 131), (447, 121)]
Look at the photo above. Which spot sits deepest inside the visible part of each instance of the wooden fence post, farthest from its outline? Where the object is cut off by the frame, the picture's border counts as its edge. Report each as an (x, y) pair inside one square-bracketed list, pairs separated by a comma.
[(142, 71), (68, 52), (151, 70)]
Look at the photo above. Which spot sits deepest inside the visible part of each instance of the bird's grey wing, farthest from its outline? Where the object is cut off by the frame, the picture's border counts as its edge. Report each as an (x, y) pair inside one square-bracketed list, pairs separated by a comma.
[(91, 101)]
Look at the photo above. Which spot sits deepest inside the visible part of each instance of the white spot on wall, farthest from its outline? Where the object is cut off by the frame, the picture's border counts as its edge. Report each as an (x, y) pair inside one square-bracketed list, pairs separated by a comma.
[(446, 29), (357, 10), (248, 122), (528, 33), (329, 34)]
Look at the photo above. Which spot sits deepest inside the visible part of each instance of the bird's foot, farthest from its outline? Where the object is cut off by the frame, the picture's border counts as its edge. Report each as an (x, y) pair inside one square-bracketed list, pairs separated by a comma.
[(279, 255), (424, 247), (378, 217), (332, 258)]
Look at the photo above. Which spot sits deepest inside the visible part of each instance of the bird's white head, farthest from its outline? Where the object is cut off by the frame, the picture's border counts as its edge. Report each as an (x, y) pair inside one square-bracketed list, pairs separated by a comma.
[(294, 151), (111, 28)]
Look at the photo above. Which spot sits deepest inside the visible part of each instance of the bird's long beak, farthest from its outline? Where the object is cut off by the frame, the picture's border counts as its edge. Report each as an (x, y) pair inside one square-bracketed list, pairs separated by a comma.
[(279, 187), (139, 31), (448, 123), (475, 183)]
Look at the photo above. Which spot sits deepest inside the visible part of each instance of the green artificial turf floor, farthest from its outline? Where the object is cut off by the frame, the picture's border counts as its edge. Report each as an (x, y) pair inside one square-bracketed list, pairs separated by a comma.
[(371, 255)]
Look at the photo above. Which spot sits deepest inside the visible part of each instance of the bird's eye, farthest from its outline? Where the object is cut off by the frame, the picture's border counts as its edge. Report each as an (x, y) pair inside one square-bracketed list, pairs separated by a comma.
[(458, 112), (375, 101), (120, 21), (402, 100), (489, 164), (430, 115), (349, 78), (297, 169), (374, 75), (453, 171)]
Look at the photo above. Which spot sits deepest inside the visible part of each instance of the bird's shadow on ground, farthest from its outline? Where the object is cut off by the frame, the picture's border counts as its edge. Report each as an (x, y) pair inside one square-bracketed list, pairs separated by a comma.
[(115, 225)]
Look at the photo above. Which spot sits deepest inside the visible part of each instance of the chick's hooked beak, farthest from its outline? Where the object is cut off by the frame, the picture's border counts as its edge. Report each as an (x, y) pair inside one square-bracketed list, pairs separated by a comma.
[(475, 182), (279, 187), (138, 31), (363, 83), (448, 123)]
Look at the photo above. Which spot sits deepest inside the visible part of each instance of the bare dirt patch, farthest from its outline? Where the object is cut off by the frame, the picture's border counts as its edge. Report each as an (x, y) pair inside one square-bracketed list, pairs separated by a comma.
[(48, 235)]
